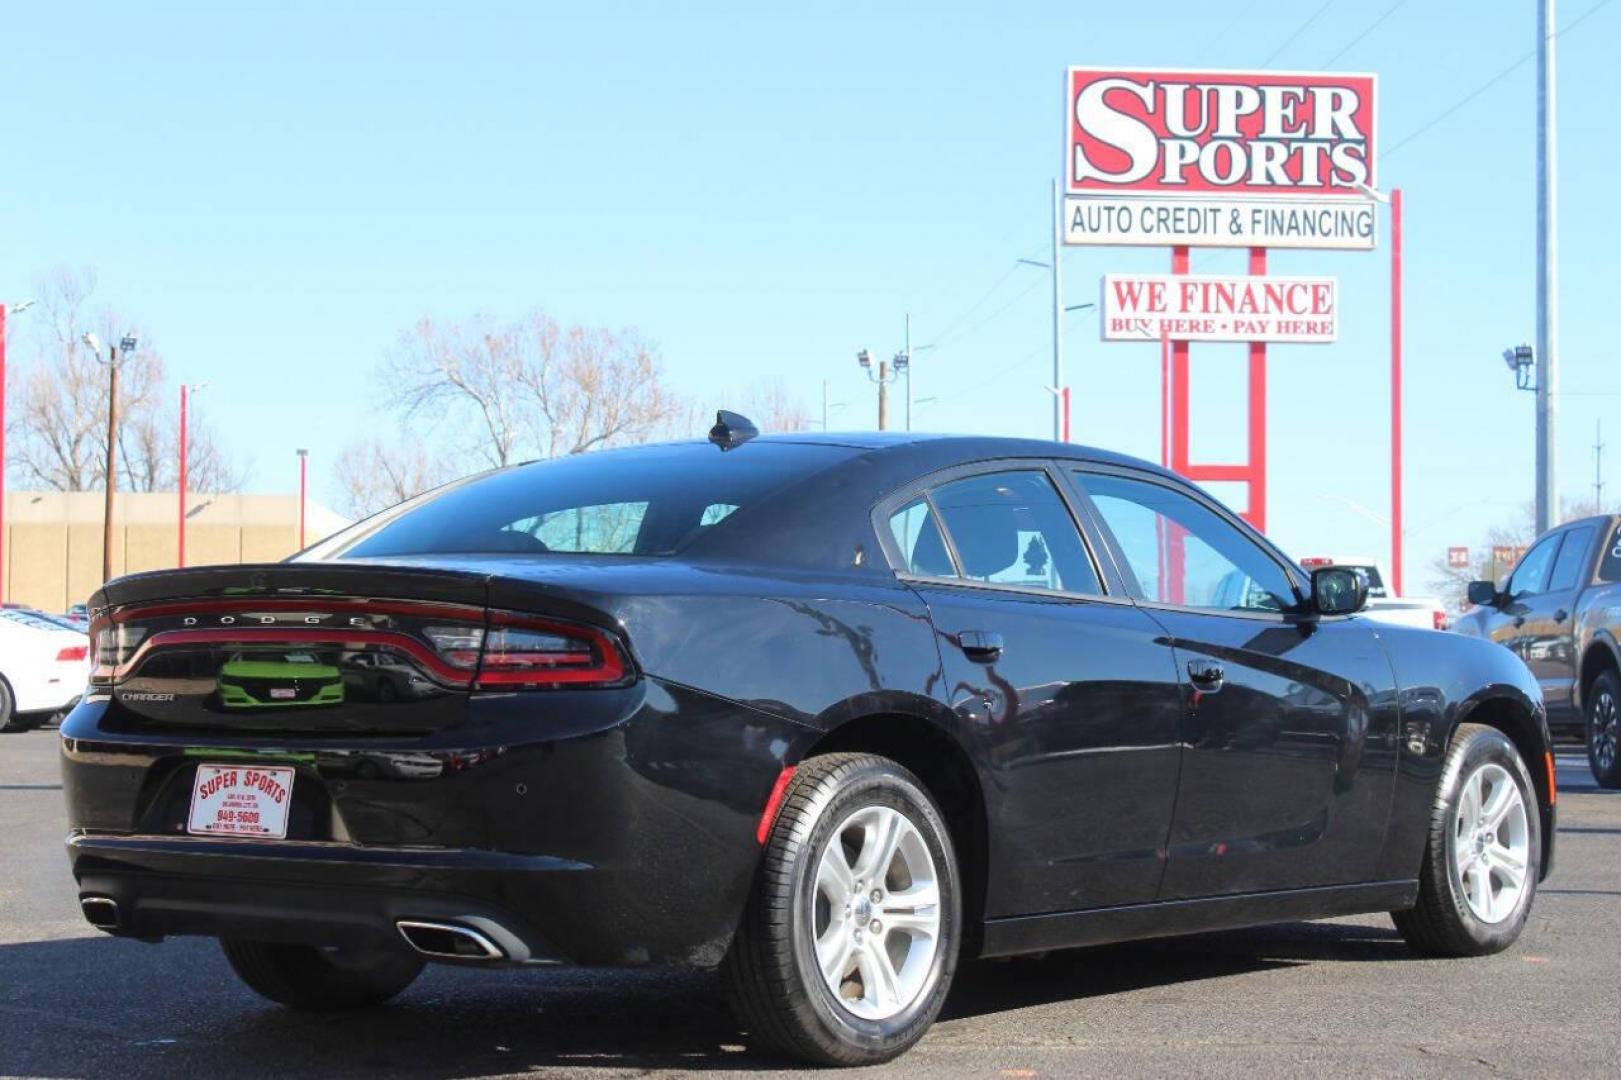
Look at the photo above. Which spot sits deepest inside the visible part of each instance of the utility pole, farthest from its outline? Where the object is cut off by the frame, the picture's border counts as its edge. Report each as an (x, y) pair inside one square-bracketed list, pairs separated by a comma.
[(908, 354), (1547, 272), (883, 396), (824, 405), (1058, 315), (1598, 466), (303, 492), (15, 309)]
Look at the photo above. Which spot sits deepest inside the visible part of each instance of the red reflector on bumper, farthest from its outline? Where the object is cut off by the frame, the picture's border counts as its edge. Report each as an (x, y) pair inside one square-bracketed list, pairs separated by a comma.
[(768, 816)]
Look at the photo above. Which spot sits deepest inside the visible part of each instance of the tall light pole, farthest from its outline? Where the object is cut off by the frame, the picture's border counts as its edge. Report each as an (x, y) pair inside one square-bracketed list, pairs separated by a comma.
[(883, 378), (181, 532), (126, 345), (1547, 272), (1060, 400), (303, 491), (15, 310)]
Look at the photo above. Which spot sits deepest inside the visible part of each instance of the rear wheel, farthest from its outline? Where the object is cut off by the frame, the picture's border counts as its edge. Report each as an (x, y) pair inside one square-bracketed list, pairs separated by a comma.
[(317, 979), (1479, 874), (1604, 730), (850, 938)]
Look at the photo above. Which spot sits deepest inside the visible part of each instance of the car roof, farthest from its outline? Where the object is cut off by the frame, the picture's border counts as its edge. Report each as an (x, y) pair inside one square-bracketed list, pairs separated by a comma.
[(946, 447)]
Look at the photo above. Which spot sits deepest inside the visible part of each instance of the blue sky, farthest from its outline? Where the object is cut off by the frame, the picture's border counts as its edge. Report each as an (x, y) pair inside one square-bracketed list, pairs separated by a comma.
[(278, 192)]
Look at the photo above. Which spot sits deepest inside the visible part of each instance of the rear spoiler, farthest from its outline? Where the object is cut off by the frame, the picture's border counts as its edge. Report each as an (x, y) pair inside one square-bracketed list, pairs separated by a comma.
[(311, 579)]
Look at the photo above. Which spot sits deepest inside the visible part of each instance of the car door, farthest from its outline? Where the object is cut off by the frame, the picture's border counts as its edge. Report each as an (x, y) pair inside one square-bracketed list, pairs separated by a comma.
[(1290, 719), (1547, 640), (1060, 686)]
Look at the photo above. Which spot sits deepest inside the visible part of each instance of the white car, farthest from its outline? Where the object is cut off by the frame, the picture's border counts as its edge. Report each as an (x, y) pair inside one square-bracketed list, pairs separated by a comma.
[(1420, 611), (44, 666)]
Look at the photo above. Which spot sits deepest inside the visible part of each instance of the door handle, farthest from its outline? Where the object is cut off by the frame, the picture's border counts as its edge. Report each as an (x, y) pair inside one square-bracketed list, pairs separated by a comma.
[(1207, 675), (1561, 615), (981, 646)]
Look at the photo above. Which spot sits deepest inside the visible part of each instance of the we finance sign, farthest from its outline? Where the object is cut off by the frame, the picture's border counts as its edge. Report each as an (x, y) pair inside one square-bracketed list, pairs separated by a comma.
[(1211, 307), (1219, 159)]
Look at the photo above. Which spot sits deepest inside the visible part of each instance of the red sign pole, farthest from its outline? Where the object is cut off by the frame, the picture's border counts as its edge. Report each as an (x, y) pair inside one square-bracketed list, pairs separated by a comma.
[(2, 451), (303, 490), (1257, 432), (1395, 393), (181, 532)]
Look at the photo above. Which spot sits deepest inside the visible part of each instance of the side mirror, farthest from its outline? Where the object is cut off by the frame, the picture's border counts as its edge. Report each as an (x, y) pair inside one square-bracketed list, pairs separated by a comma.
[(1483, 593), (1339, 590)]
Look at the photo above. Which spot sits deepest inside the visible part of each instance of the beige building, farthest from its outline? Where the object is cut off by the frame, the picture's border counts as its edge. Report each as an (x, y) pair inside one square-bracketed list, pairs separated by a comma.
[(52, 554)]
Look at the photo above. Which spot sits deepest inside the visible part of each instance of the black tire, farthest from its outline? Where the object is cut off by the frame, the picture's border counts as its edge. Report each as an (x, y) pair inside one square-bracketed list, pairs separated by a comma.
[(773, 980), (309, 978), (1603, 734), (9, 720), (1442, 922)]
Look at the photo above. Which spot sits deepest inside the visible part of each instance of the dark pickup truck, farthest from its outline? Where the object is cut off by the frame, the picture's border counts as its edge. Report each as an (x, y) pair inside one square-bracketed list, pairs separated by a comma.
[(1560, 612)]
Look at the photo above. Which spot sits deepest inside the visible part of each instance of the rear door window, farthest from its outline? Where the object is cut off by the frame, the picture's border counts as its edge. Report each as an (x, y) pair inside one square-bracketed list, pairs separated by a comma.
[(1572, 560), (1003, 528), (1609, 567)]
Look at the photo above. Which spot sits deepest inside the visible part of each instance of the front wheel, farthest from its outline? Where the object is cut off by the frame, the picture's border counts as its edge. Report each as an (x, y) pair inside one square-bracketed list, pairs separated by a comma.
[(316, 979), (9, 720), (849, 940), (1604, 730), (1479, 874)]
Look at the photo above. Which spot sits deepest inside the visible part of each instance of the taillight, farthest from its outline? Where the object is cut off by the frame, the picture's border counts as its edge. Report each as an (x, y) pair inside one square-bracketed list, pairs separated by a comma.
[(72, 652), (1441, 621), (520, 652), (456, 645)]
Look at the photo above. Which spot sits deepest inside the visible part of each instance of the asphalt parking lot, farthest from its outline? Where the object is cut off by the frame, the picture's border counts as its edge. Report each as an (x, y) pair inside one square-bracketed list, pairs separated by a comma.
[(1337, 998)]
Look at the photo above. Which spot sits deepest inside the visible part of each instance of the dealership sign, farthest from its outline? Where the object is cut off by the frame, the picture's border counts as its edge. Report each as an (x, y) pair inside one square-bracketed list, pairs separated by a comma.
[(1227, 159), (1209, 307)]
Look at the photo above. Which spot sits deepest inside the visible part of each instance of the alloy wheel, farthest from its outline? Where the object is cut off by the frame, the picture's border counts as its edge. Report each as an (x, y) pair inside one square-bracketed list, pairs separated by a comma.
[(1491, 843), (876, 913), (1605, 734)]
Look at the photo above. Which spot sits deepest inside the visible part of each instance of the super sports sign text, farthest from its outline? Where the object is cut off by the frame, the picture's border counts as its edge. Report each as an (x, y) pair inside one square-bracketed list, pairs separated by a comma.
[(1219, 158)]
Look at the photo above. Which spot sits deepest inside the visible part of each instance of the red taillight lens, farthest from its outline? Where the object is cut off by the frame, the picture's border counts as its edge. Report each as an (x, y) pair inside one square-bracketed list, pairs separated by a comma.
[(73, 652), (1441, 621), (521, 652)]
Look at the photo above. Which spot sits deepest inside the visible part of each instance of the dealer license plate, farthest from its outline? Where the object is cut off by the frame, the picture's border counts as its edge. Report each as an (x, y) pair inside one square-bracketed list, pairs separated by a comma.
[(241, 800)]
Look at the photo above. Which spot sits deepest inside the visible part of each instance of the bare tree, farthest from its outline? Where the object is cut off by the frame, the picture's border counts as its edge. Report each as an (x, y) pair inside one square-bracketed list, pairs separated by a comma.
[(772, 407), (375, 475), (58, 429), (530, 388), (1495, 557)]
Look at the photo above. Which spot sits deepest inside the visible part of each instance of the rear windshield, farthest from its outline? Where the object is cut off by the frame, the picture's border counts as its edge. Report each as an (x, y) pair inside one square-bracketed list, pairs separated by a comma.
[(652, 500)]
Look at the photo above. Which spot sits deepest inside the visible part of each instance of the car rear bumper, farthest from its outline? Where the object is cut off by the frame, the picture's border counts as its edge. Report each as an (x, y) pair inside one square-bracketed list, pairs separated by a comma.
[(622, 834)]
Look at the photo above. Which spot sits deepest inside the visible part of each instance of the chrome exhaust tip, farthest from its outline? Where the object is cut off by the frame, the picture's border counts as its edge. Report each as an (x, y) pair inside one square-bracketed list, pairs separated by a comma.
[(100, 911), (448, 941)]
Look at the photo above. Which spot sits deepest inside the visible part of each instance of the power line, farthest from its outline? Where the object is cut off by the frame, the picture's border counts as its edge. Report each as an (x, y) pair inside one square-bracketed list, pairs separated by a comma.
[(1301, 29), (1371, 27), (977, 304), (1489, 83), (993, 316)]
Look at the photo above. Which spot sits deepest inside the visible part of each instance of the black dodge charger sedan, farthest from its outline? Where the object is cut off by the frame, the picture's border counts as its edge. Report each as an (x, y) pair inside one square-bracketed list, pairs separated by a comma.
[(828, 712)]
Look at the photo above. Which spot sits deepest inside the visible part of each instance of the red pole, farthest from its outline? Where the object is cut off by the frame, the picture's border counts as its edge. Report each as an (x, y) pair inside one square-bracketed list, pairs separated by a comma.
[(2, 450), (303, 487), (1064, 394), (1395, 393), (1179, 381), (1257, 433), (1176, 563), (181, 561), (1164, 397)]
